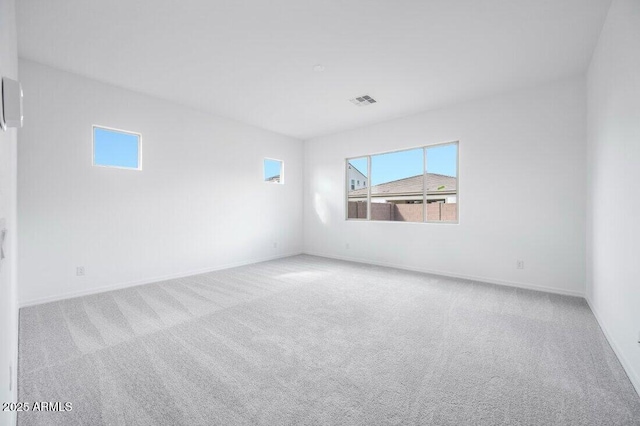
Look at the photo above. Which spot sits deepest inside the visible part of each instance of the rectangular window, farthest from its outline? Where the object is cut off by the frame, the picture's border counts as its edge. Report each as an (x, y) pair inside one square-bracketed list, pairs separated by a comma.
[(273, 171), (116, 148), (357, 198), (413, 185)]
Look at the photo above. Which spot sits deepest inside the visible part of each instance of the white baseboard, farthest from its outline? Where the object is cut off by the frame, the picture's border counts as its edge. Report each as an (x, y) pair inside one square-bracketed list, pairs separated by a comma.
[(633, 375), (454, 275), (117, 286)]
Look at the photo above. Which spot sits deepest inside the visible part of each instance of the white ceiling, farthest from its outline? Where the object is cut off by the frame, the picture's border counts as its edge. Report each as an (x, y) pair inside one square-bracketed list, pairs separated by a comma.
[(252, 60)]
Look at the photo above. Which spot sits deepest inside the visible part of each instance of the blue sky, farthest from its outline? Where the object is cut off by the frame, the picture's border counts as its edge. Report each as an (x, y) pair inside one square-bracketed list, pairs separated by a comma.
[(398, 165), (271, 168), (113, 148)]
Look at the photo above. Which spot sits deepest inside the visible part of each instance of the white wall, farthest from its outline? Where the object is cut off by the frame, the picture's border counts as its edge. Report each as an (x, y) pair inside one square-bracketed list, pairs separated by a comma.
[(198, 204), (522, 191), (8, 166), (613, 226)]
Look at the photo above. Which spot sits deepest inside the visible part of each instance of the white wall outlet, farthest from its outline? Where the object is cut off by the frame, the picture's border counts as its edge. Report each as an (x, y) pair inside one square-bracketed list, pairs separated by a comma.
[(520, 264), (80, 271), (275, 245), (347, 246)]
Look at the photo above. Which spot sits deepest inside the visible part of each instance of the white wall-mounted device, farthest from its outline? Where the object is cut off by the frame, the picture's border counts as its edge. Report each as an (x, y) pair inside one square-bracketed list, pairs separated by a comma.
[(10, 104)]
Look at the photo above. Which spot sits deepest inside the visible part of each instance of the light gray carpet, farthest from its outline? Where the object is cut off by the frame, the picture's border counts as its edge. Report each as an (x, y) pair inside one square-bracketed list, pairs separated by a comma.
[(307, 340)]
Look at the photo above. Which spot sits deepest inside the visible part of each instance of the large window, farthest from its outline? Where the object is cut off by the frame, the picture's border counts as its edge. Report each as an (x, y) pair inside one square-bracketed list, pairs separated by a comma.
[(116, 148), (413, 185)]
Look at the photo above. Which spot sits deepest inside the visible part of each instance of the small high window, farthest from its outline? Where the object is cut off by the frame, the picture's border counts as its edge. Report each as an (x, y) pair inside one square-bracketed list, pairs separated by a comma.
[(116, 148), (273, 171)]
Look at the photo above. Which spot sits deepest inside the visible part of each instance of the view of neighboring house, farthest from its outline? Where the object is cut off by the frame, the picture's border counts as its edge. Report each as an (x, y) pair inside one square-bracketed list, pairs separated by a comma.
[(440, 189), (357, 179), (273, 179)]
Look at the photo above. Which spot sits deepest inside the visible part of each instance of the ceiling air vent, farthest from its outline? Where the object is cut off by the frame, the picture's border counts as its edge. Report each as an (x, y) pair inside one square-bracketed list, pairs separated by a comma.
[(362, 101)]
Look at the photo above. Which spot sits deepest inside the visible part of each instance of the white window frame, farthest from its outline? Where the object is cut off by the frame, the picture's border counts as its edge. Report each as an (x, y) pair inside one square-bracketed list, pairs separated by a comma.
[(424, 191), (281, 182), (113, 129)]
